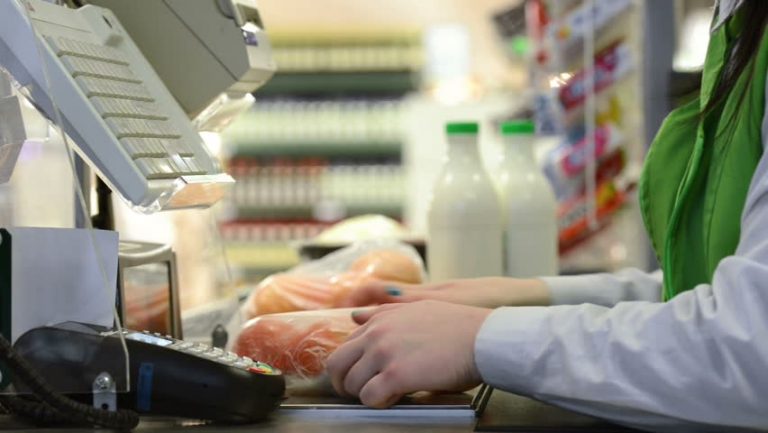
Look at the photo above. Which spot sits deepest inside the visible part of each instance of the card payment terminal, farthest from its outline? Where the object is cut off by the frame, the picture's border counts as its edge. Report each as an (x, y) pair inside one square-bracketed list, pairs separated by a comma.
[(168, 376)]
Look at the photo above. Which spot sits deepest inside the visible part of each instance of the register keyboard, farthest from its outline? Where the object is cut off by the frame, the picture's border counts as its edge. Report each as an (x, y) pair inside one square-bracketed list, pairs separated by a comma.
[(122, 119)]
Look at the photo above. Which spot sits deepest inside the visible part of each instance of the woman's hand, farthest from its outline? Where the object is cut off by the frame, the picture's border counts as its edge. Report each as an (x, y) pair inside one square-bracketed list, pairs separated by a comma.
[(490, 292), (404, 348)]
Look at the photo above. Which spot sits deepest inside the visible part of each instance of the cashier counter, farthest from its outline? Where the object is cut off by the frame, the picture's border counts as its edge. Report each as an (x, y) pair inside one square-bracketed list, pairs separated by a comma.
[(504, 412), (100, 72)]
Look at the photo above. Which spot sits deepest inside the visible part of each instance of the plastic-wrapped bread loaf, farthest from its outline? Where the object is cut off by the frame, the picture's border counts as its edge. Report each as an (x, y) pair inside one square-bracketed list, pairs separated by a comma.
[(324, 283), (389, 265), (297, 343), (283, 293)]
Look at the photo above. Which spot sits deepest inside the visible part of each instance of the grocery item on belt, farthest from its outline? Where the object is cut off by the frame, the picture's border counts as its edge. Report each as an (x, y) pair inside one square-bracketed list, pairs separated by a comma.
[(326, 282), (464, 227), (361, 227), (281, 293), (297, 343), (386, 264)]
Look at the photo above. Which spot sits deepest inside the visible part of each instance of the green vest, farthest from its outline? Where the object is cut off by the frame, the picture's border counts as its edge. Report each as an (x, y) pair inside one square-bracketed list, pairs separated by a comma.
[(699, 168)]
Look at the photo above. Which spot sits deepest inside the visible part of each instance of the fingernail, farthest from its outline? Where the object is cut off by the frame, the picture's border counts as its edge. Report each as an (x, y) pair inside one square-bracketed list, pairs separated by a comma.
[(394, 291)]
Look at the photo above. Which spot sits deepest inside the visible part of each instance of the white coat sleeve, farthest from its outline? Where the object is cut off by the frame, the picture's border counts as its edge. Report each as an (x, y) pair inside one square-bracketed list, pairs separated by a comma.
[(605, 289), (696, 363)]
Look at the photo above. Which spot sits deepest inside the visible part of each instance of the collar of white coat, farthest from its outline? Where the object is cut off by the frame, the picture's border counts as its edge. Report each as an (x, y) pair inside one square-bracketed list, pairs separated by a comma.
[(725, 8)]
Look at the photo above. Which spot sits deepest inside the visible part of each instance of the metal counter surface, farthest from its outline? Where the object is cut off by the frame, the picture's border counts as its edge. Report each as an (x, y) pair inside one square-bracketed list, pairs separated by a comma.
[(505, 412)]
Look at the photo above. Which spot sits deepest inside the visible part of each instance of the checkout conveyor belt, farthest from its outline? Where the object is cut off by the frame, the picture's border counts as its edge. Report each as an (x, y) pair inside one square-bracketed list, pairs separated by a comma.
[(504, 413)]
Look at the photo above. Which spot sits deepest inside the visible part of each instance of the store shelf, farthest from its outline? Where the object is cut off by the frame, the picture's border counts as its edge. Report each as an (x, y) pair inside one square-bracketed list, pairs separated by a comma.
[(334, 37), (566, 34), (257, 260), (347, 51), (324, 142), (373, 83), (270, 255), (606, 34), (320, 149), (308, 212)]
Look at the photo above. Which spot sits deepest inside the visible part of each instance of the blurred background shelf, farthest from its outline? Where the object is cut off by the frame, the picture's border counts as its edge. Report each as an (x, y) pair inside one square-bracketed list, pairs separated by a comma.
[(315, 212), (324, 142), (342, 83), (320, 149), (262, 259)]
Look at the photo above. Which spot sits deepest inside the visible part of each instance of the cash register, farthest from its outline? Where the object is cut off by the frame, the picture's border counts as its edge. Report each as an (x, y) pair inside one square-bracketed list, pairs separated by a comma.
[(131, 85)]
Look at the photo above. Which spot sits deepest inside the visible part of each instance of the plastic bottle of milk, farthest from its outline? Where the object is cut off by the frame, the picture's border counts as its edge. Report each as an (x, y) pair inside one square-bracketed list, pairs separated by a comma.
[(529, 207), (464, 220)]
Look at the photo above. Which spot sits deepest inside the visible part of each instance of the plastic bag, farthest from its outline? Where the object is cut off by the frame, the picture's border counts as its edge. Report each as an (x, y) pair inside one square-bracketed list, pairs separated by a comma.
[(297, 343), (324, 283), (361, 227)]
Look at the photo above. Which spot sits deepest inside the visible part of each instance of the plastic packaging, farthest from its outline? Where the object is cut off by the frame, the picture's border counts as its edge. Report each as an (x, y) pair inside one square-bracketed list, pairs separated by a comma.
[(565, 164), (326, 282), (572, 159), (464, 218), (571, 28), (362, 227), (529, 207), (573, 223), (297, 343), (611, 64), (608, 168)]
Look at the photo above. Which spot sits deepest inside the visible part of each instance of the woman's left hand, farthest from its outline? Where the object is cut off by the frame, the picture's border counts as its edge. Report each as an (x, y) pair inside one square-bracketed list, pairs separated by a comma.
[(404, 348)]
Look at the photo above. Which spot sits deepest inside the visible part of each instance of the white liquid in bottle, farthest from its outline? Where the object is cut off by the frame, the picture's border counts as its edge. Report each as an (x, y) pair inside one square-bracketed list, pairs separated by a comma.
[(529, 207), (465, 231)]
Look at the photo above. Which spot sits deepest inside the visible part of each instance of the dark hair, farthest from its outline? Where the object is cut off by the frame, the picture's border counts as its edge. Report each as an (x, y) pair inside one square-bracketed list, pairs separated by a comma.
[(755, 16)]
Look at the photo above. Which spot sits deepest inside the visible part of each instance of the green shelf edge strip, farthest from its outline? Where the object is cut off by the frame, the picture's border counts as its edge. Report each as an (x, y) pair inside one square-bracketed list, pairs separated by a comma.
[(320, 149), (305, 213), (340, 82)]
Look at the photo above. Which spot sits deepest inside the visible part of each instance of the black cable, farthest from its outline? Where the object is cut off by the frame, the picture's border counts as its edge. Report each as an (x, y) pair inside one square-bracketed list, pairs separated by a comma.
[(3, 409), (65, 407), (41, 413)]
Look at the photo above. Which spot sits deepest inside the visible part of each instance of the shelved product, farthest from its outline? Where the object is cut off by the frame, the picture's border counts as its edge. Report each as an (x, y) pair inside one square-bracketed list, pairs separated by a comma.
[(323, 142), (330, 128), (258, 249), (572, 22), (298, 192), (345, 63), (374, 51), (584, 67)]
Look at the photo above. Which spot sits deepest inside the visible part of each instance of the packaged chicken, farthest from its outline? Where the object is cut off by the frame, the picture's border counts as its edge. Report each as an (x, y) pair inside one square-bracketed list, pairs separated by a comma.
[(326, 282), (297, 343)]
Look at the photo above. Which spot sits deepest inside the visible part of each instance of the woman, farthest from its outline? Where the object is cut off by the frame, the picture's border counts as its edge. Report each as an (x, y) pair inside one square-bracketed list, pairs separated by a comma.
[(690, 349)]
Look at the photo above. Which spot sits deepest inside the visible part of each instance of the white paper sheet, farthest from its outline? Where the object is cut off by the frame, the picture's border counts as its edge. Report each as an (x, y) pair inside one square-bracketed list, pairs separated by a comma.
[(56, 277)]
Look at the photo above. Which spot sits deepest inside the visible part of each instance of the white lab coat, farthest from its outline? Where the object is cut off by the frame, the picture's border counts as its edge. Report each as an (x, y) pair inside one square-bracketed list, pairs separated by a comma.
[(609, 348)]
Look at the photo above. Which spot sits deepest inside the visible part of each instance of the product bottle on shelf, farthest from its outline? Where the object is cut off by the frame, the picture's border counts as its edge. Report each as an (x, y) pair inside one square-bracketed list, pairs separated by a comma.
[(464, 220), (529, 207)]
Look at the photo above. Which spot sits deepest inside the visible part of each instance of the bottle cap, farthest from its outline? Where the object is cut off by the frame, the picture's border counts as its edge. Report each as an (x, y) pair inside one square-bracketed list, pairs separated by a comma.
[(461, 128), (518, 127)]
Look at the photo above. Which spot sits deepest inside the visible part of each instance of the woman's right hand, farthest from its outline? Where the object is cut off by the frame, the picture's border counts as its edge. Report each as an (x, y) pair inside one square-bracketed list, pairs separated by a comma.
[(490, 292)]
